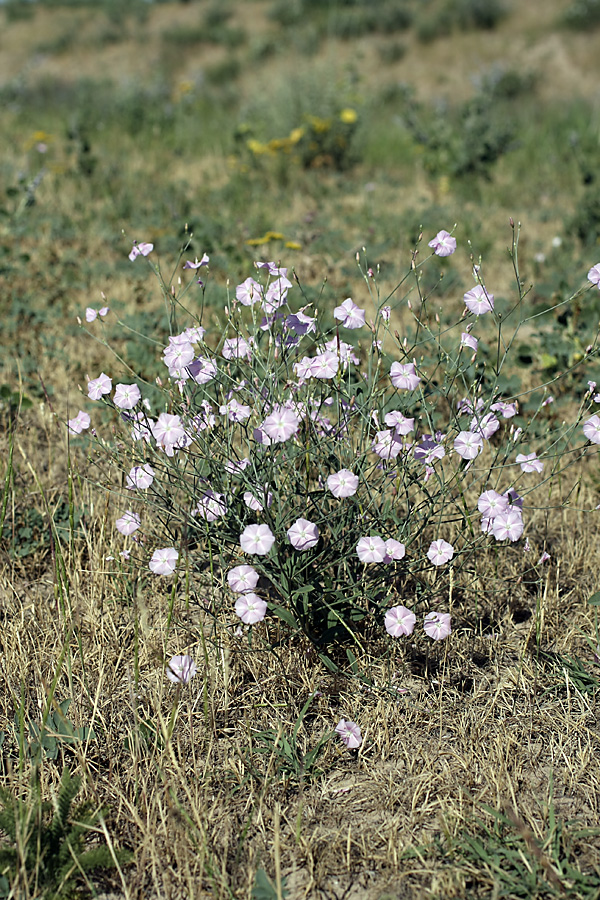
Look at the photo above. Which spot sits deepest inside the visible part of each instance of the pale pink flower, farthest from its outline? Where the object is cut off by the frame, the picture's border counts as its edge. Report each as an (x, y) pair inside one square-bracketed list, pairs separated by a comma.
[(467, 340), (468, 444), (91, 313), (387, 444), (252, 502), (530, 462), (242, 578), (250, 608), (99, 386), (303, 535), (491, 503), (181, 669), (197, 264), (403, 376), (237, 348), (544, 558), (394, 550), (349, 734), (371, 549), (142, 249), (235, 412), (428, 450), (349, 314), (437, 625), (591, 429), (281, 425), (164, 562), (399, 621), (440, 552), (79, 423), (128, 523), (594, 275), (211, 506), (202, 370), (249, 292), (140, 477), (486, 426), (178, 354), (385, 312), (443, 244), (508, 526), (126, 396), (507, 410), (276, 295), (257, 539), (400, 423), (168, 430), (343, 483), (324, 365), (478, 301)]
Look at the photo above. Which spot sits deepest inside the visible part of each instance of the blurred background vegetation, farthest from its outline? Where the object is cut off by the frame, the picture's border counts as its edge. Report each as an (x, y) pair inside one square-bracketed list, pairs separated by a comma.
[(300, 130)]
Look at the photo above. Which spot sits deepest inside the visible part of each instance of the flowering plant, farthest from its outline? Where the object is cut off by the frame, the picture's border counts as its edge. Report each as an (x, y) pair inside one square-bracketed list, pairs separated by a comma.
[(326, 484)]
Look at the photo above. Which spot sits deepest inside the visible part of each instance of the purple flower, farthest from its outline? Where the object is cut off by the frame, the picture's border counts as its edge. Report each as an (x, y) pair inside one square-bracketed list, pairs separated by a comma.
[(399, 621), (468, 444), (349, 314), (250, 608), (343, 483), (140, 477), (128, 523), (164, 561), (467, 340), (437, 625), (403, 376), (440, 552), (281, 424), (371, 549), (349, 734), (478, 301), (303, 535), (126, 396), (530, 463), (257, 539), (79, 423), (508, 525), (594, 275), (181, 669), (443, 244), (142, 249), (591, 429), (385, 312), (242, 578), (99, 386), (544, 558)]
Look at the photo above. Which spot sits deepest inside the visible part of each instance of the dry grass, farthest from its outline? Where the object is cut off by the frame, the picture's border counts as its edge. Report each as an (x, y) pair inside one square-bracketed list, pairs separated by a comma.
[(492, 718)]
